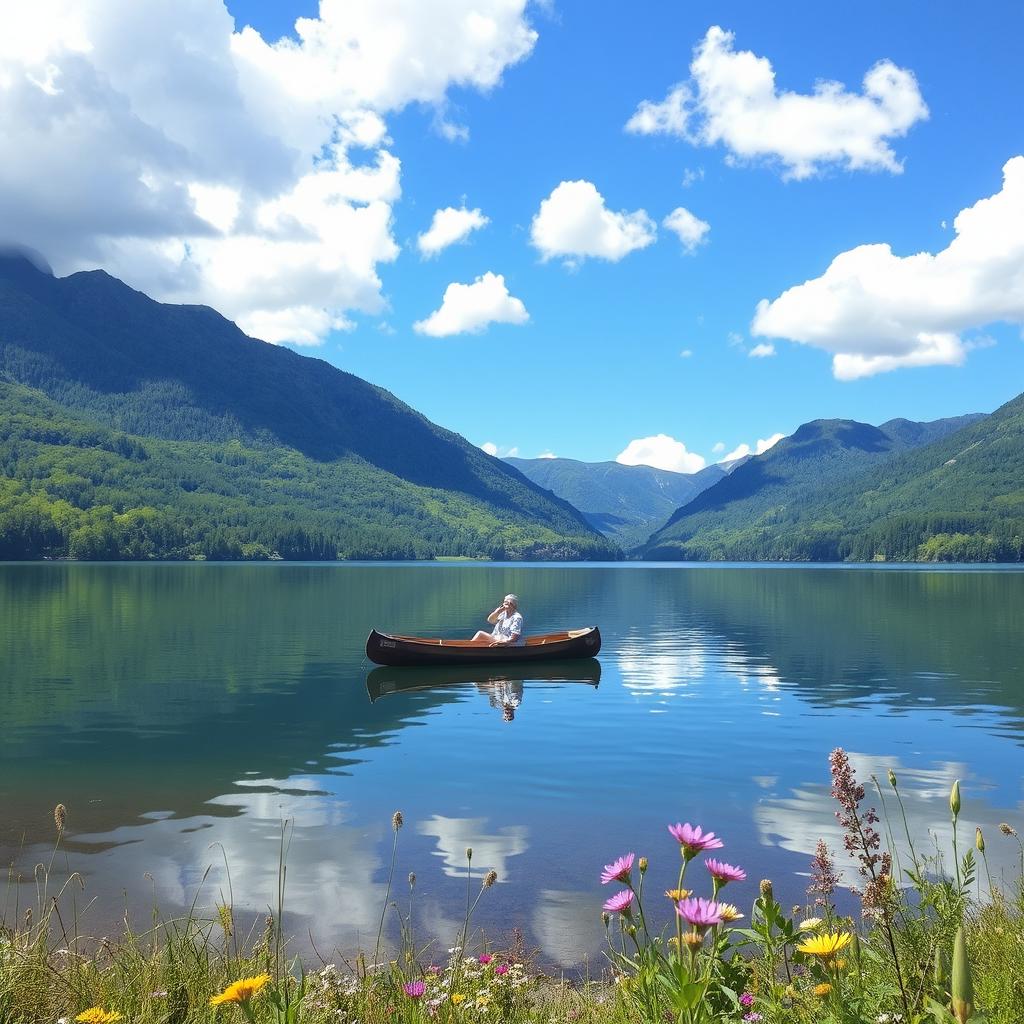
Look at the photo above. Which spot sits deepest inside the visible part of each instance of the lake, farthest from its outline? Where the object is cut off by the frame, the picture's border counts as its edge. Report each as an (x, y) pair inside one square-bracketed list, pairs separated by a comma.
[(182, 712)]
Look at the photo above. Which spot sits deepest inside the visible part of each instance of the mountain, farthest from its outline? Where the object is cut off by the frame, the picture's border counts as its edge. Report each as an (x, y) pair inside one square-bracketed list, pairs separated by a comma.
[(131, 428), (820, 494), (625, 503)]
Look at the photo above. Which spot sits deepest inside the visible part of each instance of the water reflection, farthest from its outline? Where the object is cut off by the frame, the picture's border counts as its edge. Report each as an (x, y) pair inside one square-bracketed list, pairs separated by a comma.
[(504, 693), (491, 850)]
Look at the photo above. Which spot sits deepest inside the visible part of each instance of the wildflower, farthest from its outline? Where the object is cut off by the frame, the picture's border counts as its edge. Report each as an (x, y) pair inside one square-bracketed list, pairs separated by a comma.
[(699, 912), (618, 870), (747, 1000), (724, 873), (469, 853), (240, 991), (490, 878), (414, 989), (824, 877), (752, 1018), (765, 888), (620, 903), (693, 839), (810, 925), (823, 989), (484, 958), (675, 895), (729, 912), (501, 969), (458, 997), (825, 946), (892, 778), (433, 969), (1006, 829), (693, 939), (642, 865), (861, 838), (397, 820), (97, 1015)]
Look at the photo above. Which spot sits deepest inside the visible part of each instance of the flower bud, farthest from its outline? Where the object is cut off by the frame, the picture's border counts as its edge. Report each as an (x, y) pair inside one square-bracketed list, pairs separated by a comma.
[(979, 840), (606, 918), (632, 930), (766, 889), (469, 853), (892, 778), (962, 990), (954, 799), (642, 864)]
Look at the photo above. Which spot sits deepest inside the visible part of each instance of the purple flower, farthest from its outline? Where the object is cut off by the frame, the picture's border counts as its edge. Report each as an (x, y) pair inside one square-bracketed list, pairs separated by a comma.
[(693, 839), (746, 1000), (752, 1018), (699, 912), (433, 969), (619, 903), (618, 870), (724, 872), (484, 958), (414, 989), (501, 969)]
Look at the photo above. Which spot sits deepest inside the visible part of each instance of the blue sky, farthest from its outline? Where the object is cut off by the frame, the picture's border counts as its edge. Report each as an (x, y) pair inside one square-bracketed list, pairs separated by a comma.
[(613, 331)]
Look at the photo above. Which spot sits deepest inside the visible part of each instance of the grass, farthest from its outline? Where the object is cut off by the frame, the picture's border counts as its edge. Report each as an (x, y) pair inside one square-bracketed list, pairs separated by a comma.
[(937, 943)]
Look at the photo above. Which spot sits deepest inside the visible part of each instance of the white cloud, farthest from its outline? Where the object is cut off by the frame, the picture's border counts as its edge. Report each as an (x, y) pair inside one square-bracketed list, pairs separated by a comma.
[(719, 446), (686, 353), (471, 308), (661, 452), (762, 351), (732, 98), (690, 229), (574, 223), (743, 450), (449, 226), (875, 311), (498, 452), (490, 447), (202, 164), (691, 176), (547, 455)]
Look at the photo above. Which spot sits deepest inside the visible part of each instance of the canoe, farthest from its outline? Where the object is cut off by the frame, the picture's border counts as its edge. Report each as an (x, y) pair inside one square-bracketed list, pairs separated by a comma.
[(389, 649), (380, 682)]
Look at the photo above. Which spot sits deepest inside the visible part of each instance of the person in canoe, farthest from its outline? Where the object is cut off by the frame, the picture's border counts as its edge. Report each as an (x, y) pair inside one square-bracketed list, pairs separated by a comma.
[(508, 625)]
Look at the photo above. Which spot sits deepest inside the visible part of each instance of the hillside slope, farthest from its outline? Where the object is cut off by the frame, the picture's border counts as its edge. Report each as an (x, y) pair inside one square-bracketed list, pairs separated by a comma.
[(112, 361), (625, 503), (814, 495)]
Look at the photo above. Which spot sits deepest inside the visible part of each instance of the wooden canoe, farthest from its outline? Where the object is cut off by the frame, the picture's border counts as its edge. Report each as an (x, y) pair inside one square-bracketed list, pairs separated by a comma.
[(385, 680), (389, 649)]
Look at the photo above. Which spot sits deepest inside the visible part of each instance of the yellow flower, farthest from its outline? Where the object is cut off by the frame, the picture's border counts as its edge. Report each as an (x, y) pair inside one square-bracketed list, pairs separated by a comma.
[(678, 894), (729, 912), (240, 991), (458, 997), (97, 1015), (827, 945), (841, 963), (693, 939), (823, 989), (482, 1001)]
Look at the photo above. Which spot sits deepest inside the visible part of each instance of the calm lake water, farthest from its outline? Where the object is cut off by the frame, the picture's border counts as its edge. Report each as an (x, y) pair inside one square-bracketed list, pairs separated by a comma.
[(178, 710)]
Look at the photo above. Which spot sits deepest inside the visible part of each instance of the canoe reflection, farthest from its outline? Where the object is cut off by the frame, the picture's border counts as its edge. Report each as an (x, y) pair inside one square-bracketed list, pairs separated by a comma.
[(504, 692)]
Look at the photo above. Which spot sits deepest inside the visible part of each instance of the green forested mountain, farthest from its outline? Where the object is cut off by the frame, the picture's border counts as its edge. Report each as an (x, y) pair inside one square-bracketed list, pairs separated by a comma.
[(626, 503), (952, 490), (134, 429)]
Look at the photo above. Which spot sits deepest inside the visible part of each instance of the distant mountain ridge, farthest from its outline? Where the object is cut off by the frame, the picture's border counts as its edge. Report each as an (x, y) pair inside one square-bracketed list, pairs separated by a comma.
[(625, 503), (841, 490), (106, 355)]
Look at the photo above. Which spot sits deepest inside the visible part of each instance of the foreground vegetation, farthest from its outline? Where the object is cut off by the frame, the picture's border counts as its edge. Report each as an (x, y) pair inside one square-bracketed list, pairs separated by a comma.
[(937, 941)]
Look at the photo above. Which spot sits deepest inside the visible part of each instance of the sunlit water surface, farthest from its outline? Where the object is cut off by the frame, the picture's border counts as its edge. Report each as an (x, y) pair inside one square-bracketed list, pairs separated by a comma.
[(183, 713)]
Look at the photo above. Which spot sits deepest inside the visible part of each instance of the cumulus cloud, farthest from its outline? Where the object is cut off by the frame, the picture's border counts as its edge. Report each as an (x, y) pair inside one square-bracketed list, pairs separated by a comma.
[(471, 308), (574, 223), (875, 311), (763, 350), (449, 226), (690, 229), (731, 98), (205, 164), (498, 452), (547, 455), (743, 450), (661, 452)]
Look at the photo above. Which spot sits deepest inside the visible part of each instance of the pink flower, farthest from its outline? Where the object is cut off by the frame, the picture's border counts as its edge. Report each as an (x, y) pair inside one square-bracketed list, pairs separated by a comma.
[(746, 1000), (724, 872), (501, 969), (693, 839), (484, 958), (433, 969), (699, 912), (618, 870), (619, 903), (414, 989)]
